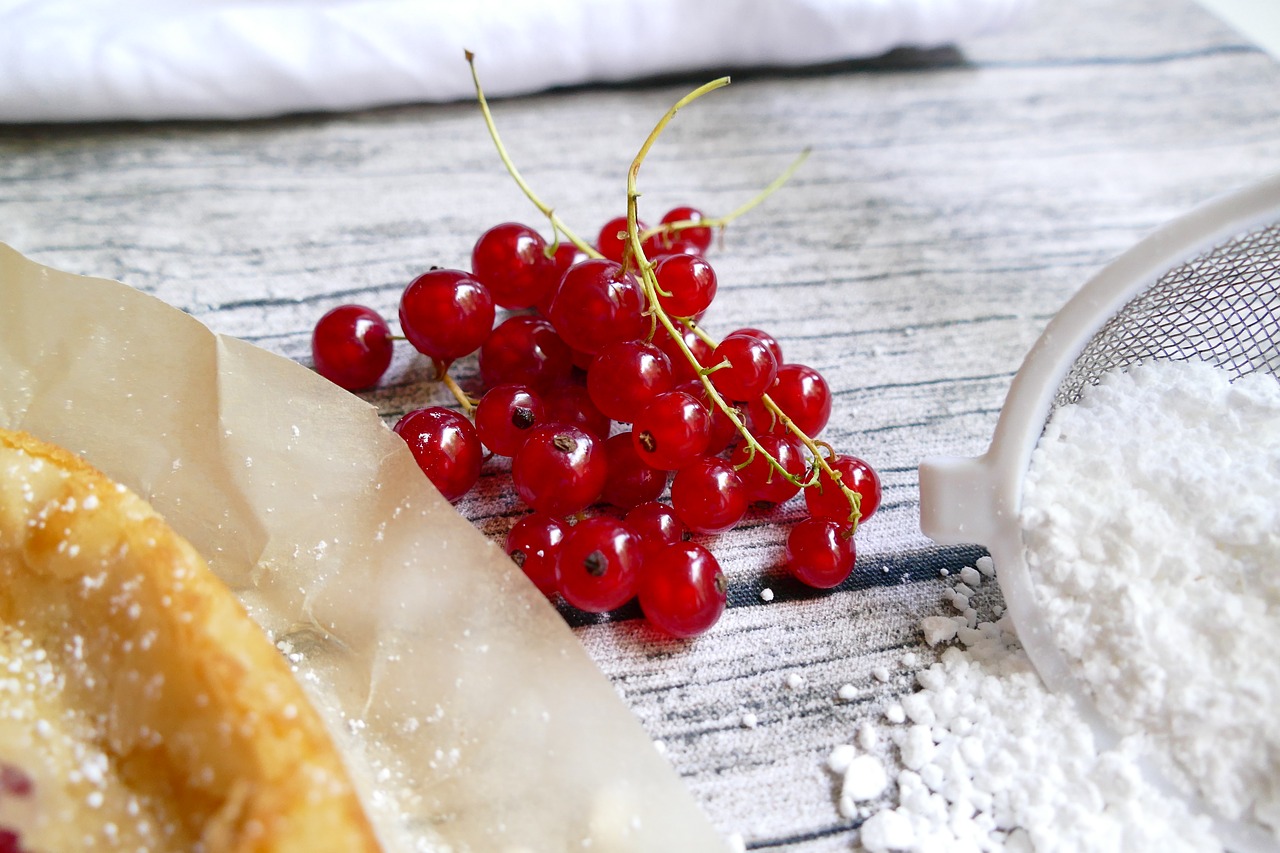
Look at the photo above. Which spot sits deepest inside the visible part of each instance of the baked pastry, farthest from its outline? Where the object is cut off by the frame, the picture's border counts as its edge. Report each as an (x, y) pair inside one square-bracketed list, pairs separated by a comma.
[(140, 706)]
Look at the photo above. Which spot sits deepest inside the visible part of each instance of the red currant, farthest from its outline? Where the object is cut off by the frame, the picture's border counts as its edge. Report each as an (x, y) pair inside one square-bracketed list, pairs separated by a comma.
[(751, 369), (802, 394), (657, 524), (630, 481), (625, 376), (533, 542), (570, 403), (708, 495), (351, 346), (510, 259), (598, 304), (660, 245), (820, 553), (446, 447), (762, 481), (505, 416), (566, 255), (598, 564), (612, 242), (722, 433), (769, 340), (681, 369), (671, 431), (826, 500), (446, 314), (683, 592), (689, 283), (699, 237), (14, 781), (560, 470), (525, 350)]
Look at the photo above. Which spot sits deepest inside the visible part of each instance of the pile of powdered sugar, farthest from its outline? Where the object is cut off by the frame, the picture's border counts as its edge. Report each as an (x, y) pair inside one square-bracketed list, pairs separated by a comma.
[(1152, 523), (991, 760), (1155, 500)]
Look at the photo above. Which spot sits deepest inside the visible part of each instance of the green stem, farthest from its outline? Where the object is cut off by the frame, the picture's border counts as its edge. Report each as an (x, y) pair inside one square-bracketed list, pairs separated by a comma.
[(650, 284), (814, 447), (557, 224), (464, 400), (722, 221)]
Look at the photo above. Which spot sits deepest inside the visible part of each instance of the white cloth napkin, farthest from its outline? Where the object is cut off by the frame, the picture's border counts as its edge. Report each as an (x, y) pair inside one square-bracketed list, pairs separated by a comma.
[(85, 60)]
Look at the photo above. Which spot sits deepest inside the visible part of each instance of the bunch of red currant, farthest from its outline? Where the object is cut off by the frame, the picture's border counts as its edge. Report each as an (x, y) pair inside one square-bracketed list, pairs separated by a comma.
[(603, 334), (582, 353)]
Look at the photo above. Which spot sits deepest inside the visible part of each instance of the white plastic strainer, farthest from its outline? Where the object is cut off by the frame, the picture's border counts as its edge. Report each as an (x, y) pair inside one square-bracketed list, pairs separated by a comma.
[(1207, 287)]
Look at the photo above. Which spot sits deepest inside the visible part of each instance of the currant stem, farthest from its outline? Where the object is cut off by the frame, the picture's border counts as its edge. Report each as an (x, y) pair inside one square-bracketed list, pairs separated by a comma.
[(814, 447), (722, 221), (819, 460), (650, 284), (557, 224), (464, 400)]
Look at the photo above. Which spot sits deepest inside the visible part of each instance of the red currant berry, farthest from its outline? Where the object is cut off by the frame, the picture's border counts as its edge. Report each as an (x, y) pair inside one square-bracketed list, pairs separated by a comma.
[(533, 542), (657, 524), (612, 242), (699, 237), (598, 304), (570, 403), (683, 591), (751, 369), (510, 259), (820, 553), (689, 282), (769, 340), (599, 564), (681, 369), (671, 431), (560, 470), (525, 350), (708, 495), (351, 346), (763, 482), (446, 447), (505, 416), (446, 314), (566, 255), (802, 394), (660, 245), (625, 376), (723, 433), (14, 782), (826, 500), (630, 481)]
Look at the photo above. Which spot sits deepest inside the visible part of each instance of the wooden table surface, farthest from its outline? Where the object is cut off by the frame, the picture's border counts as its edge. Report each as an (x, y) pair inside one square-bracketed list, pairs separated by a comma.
[(953, 200)]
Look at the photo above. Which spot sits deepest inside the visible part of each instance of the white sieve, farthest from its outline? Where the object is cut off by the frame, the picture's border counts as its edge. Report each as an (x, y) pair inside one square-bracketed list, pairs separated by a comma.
[(1205, 286)]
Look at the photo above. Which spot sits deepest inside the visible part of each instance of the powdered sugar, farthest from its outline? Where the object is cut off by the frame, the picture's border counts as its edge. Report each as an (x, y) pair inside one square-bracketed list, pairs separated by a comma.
[(993, 761), (1152, 524)]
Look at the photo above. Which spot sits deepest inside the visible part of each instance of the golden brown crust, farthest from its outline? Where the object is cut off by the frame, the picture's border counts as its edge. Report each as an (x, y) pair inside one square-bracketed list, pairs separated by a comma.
[(195, 705)]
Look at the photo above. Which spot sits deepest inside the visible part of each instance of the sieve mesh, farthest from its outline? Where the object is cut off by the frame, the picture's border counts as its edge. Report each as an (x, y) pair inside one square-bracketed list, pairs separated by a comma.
[(1222, 307)]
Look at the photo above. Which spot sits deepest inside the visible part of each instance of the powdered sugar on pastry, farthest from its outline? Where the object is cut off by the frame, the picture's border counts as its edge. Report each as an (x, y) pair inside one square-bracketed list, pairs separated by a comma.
[(142, 704)]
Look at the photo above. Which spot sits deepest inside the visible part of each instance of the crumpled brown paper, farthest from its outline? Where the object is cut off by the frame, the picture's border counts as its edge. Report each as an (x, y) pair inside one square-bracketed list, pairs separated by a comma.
[(469, 714)]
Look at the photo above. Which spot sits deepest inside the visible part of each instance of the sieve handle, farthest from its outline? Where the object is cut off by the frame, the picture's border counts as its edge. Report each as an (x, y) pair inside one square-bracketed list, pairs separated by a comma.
[(959, 503)]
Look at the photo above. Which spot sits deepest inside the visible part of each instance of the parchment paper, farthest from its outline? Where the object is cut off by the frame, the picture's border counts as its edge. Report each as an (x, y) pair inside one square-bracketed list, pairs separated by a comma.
[(469, 714)]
